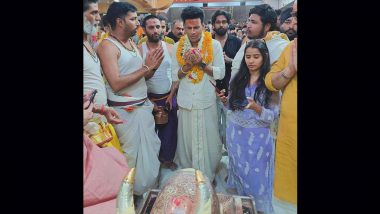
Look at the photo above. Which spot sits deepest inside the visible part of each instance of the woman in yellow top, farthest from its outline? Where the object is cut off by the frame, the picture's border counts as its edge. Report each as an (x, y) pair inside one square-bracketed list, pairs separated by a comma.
[(283, 76)]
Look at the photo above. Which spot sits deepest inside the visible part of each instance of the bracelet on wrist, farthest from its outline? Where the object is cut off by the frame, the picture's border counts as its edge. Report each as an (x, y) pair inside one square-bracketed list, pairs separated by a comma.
[(284, 76), (183, 71), (146, 67)]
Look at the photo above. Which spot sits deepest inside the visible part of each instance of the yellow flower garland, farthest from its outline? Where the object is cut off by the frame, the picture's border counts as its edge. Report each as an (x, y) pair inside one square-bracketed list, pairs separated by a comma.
[(196, 69)]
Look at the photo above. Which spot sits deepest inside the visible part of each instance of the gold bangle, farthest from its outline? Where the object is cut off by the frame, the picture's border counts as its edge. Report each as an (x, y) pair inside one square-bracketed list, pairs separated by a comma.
[(183, 71), (147, 67)]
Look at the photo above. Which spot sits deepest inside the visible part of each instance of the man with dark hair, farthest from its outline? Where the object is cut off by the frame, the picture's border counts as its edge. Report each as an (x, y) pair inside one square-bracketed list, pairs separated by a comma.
[(231, 44), (286, 25), (177, 30), (163, 29), (125, 72), (91, 65), (92, 77), (260, 25), (283, 76), (92, 28), (164, 24), (232, 30), (161, 89), (197, 60)]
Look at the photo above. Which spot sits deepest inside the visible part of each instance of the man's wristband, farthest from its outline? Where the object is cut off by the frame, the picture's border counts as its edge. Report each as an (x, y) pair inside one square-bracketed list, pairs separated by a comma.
[(146, 67), (203, 65), (183, 71), (284, 76)]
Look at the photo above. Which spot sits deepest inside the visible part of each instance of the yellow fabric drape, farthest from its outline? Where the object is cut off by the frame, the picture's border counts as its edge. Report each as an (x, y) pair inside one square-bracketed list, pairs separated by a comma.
[(285, 179)]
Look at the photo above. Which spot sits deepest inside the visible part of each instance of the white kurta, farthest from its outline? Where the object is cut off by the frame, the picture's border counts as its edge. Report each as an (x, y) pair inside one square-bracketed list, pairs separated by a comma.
[(137, 136), (199, 145)]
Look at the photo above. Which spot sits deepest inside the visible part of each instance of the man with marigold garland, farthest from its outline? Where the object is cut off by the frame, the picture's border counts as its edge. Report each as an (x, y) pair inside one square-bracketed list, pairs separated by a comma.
[(198, 59)]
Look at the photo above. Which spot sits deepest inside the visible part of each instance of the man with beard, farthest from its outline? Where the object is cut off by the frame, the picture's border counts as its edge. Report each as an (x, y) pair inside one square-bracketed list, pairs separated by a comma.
[(91, 65), (177, 30), (283, 76), (232, 30), (197, 60), (92, 77), (286, 25), (231, 44), (260, 25), (162, 35), (95, 158), (125, 73), (161, 89)]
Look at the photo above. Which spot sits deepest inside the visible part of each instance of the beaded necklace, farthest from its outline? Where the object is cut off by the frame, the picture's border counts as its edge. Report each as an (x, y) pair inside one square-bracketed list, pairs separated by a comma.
[(133, 51)]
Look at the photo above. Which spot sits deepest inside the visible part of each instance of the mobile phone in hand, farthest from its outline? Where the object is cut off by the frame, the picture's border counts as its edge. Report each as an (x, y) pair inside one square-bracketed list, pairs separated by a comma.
[(92, 97), (216, 88)]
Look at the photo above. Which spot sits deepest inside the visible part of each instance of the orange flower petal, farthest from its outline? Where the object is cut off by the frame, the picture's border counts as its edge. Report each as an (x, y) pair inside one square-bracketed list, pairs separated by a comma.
[(129, 108), (206, 48)]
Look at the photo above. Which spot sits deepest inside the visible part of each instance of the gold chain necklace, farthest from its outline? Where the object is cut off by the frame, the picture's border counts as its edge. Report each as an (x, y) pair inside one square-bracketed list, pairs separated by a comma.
[(133, 51)]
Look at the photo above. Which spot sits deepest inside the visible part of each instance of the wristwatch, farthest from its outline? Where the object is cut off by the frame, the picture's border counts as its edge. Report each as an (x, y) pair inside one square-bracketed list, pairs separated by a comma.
[(203, 65)]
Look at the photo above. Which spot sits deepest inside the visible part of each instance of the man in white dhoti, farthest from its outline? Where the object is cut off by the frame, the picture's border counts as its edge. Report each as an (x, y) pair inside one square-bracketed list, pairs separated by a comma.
[(125, 70), (161, 89), (198, 59)]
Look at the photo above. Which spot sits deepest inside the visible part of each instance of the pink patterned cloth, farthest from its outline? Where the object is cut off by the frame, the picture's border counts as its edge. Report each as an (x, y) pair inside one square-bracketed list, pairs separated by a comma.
[(103, 172)]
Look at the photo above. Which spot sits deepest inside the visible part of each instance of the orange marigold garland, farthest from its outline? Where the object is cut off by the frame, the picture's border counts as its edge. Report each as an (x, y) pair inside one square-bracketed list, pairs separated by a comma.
[(196, 72)]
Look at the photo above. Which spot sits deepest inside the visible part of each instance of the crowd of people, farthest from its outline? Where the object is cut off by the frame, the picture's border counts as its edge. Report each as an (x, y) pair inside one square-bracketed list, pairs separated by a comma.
[(176, 95)]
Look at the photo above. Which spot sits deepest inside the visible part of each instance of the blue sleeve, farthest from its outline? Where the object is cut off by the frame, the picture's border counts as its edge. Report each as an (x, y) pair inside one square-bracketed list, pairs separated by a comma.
[(268, 115)]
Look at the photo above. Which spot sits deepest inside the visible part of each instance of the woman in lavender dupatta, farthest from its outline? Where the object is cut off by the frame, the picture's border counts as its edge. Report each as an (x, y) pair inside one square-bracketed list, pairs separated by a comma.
[(252, 109)]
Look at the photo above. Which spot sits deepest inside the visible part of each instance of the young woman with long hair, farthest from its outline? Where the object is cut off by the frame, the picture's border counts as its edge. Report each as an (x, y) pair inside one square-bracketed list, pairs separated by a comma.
[(250, 145)]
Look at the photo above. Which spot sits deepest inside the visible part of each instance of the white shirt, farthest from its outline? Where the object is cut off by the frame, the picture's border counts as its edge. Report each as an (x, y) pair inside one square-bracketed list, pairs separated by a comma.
[(92, 78), (275, 46), (201, 95)]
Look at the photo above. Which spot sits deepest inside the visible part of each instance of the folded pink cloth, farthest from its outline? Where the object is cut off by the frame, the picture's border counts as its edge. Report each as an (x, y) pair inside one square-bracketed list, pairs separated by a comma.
[(104, 171)]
